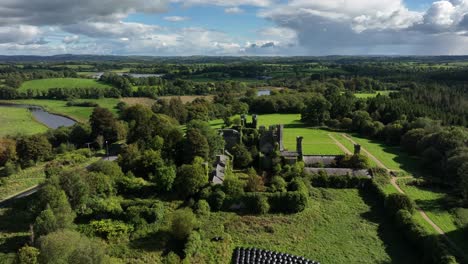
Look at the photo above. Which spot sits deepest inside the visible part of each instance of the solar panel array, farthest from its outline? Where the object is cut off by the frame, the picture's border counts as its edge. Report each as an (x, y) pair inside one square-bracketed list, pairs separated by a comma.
[(260, 256)]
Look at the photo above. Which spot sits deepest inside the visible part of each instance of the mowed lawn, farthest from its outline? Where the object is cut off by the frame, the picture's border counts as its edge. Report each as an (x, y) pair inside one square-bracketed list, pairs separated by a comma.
[(45, 84), (337, 227), (391, 156), (18, 121), (78, 113), (316, 141)]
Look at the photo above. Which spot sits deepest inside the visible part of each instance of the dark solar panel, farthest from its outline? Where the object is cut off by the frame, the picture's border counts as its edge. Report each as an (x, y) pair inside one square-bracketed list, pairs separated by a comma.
[(260, 256)]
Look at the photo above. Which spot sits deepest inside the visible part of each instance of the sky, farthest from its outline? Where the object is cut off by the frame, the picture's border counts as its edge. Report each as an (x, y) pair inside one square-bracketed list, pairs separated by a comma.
[(234, 28)]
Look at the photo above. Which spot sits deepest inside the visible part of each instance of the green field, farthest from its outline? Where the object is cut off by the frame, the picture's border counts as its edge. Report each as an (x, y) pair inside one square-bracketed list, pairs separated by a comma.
[(18, 121), (372, 95), (316, 141), (45, 84), (432, 202), (391, 156), (78, 113), (338, 227)]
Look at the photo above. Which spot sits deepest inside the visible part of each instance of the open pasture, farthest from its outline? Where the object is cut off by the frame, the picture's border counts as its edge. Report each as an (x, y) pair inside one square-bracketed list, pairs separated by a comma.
[(45, 84), (339, 226), (18, 121)]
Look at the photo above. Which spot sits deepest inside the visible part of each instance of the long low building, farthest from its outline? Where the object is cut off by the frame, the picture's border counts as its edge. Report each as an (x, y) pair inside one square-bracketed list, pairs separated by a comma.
[(339, 172)]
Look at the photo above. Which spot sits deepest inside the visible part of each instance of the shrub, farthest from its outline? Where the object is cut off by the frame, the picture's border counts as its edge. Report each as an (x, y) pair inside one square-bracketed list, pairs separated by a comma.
[(172, 258), (233, 186), (217, 200), (202, 208), (261, 205), (27, 255), (397, 201), (145, 213), (110, 229), (68, 246), (278, 184), (193, 245), (182, 224)]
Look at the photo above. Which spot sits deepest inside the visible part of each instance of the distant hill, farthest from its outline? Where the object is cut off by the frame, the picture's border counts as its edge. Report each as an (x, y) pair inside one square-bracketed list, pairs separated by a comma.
[(228, 59)]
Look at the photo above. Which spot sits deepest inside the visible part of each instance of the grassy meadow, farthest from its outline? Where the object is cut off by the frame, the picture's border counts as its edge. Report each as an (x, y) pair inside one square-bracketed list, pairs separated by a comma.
[(45, 84), (372, 95), (18, 121), (339, 226), (432, 201)]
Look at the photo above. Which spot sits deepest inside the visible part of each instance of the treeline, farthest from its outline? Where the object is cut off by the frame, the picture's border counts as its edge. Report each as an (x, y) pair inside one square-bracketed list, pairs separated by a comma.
[(396, 121)]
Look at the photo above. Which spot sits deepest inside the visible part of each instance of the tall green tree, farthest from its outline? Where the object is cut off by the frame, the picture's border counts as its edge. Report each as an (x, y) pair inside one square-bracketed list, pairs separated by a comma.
[(191, 177), (195, 145), (103, 123)]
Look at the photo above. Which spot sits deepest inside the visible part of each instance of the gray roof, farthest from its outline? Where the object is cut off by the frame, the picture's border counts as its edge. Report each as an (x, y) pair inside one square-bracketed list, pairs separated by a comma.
[(218, 177), (289, 154), (325, 160), (340, 171)]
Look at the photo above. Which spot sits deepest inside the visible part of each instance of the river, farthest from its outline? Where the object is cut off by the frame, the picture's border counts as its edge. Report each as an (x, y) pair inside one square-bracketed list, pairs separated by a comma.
[(44, 117)]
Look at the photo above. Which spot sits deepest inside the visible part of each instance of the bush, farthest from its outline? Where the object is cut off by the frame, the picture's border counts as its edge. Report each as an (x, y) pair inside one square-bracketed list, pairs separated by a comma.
[(110, 229), (256, 203), (193, 245), (397, 201), (339, 182), (217, 200), (145, 213), (27, 255), (172, 258), (202, 208), (233, 186), (68, 246), (278, 184), (183, 223)]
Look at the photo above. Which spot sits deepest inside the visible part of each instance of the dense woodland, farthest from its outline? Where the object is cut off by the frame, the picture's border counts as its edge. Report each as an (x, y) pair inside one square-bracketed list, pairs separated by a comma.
[(166, 151)]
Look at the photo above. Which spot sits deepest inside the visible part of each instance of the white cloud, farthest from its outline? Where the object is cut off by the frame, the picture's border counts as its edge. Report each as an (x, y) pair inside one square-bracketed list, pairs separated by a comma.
[(19, 34), (63, 12), (111, 30), (176, 18), (71, 39), (233, 10), (259, 3), (373, 27)]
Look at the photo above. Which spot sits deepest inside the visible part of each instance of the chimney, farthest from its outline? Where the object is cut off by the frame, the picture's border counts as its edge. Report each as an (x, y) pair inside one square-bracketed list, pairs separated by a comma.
[(357, 149), (299, 146)]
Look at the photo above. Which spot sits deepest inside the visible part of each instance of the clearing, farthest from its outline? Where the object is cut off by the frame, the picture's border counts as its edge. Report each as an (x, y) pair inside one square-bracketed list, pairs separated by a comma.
[(46, 84), (339, 226)]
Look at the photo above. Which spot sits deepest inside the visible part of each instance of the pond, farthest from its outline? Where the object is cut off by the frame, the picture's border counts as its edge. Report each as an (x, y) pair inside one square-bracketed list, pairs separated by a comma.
[(44, 117)]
